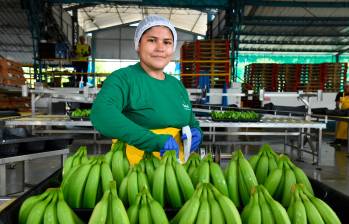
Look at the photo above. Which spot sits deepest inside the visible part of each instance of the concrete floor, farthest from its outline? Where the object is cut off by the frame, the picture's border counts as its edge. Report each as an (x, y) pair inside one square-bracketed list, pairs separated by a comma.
[(336, 176)]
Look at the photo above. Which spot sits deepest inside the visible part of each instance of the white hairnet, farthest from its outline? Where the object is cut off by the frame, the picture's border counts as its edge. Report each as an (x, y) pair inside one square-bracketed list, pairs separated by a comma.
[(151, 21)]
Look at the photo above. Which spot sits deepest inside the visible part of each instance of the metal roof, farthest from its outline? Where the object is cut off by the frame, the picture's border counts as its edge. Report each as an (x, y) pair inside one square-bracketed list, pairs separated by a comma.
[(291, 26), (93, 17), (15, 39)]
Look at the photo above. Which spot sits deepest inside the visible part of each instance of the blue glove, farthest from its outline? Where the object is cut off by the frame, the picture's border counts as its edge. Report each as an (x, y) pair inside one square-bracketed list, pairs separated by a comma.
[(170, 144), (195, 138)]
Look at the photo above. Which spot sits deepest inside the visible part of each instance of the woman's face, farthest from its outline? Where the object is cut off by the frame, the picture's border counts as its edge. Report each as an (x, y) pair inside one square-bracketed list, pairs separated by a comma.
[(156, 48)]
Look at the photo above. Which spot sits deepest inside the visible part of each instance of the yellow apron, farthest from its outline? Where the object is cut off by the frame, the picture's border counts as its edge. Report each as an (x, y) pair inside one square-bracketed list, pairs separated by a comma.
[(134, 154), (81, 49), (342, 126)]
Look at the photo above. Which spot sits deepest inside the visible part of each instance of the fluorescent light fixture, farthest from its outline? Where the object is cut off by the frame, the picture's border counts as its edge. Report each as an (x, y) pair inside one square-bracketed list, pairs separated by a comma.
[(134, 24)]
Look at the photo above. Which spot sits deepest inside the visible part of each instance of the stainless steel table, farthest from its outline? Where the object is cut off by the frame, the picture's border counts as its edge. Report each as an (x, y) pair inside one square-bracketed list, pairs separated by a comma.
[(25, 158), (291, 127)]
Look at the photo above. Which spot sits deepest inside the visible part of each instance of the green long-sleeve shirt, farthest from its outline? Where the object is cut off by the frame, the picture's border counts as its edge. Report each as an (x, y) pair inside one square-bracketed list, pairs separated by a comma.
[(131, 102)]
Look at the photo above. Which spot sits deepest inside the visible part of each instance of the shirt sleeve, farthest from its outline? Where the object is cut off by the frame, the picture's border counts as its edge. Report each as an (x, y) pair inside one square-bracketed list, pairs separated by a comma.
[(108, 119)]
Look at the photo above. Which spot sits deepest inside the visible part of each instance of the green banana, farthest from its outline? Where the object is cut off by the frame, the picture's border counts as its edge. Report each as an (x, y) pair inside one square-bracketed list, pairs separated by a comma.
[(142, 180), (313, 216), (100, 212), (190, 214), (133, 210), (254, 161), (119, 214), (218, 179), (244, 192), (36, 215), (232, 182), (272, 165), (172, 186), (132, 187), (123, 190), (159, 183), (204, 172), (267, 215), (299, 213), (204, 215), (144, 212), (74, 194), (50, 215), (254, 215), (157, 212), (279, 212), (149, 169), (64, 213), (302, 179), (231, 214), (106, 176), (247, 172), (273, 181), (217, 215), (117, 167), (290, 180), (91, 187), (326, 212), (28, 204), (184, 181), (262, 169)]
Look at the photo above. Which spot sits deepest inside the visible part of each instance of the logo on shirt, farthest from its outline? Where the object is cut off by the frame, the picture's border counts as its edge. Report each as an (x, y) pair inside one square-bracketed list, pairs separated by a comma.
[(186, 106)]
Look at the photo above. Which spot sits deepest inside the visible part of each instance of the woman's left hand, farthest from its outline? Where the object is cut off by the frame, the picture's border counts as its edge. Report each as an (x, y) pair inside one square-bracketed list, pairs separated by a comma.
[(195, 138)]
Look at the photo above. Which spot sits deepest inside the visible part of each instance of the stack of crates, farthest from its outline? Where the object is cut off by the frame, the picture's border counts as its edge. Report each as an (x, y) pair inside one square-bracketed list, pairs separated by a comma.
[(262, 76), (11, 73), (329, 77), (208, 58)]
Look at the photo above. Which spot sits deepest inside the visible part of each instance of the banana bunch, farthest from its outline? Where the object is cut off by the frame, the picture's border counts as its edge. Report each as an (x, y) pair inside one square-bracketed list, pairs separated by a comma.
[(207, 205), (210, 172), (79, 157), (109, 209), (305, 208), (171, 182), (264, 163), (117, 160), (146, 210), (149, 163), (192, 163), (84, 185), (48, 207), (263, 209), (280, 181), (240, 179), (132, 184)]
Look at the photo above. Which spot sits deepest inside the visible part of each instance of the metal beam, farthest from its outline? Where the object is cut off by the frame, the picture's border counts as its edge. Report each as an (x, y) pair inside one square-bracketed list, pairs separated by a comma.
[(254, 33), (285, 50), (295, 23), (302, 4), (285, 42), (79, 6), (222, 4), (296, 19)]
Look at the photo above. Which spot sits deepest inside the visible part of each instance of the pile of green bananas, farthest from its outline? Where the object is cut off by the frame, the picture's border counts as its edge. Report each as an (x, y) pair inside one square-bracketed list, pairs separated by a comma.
[(210, 172), (48, 207), (240, 179), (235, 115), (81, 113), (264, 163), (149, 163), (207, 205), (132, 184), (110, 209), (171, 175), (192, 163), (263, 209), (280, 181), (84, 185), (305, 208), (79, 157), (117, 160), (146, 210)]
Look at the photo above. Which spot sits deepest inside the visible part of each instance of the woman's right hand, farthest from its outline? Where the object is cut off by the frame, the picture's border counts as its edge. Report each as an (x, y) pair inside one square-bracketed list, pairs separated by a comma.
[(170, 144)]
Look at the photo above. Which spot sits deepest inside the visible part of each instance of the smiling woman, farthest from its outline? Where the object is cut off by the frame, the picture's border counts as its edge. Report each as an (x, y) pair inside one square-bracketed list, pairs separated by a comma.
[(143, 106)]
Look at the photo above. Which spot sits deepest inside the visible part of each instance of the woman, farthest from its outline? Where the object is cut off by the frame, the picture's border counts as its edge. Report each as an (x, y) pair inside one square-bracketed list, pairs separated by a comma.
[(140, 98), (342, 103)]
